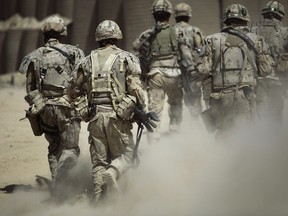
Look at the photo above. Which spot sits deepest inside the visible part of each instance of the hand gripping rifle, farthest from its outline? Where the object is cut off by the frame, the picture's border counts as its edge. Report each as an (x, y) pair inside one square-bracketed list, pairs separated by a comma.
[(143, 119)]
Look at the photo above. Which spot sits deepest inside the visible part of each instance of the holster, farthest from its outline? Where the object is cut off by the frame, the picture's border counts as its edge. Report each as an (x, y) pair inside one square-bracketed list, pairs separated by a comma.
[(35, 123)]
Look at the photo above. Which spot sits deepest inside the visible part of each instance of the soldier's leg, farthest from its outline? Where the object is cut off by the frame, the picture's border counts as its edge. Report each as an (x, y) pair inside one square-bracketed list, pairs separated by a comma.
[(48, 122), (98, 153), (175, 98), (69, 130), (156, 97), (194, 103)]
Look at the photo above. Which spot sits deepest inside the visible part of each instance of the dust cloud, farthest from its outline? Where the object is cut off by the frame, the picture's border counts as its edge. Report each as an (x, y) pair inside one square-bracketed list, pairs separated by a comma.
[(189, 173)]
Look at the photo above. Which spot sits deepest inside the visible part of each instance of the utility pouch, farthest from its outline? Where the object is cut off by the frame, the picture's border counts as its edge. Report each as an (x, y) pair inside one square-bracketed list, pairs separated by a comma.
[(125, 109), (282, 64), (35, 123), (81, 106), (36, 102)]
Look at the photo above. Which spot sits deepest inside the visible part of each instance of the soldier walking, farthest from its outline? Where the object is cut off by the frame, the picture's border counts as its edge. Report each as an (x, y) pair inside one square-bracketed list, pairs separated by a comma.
[(49, 70), (235, 58), (271, 90)]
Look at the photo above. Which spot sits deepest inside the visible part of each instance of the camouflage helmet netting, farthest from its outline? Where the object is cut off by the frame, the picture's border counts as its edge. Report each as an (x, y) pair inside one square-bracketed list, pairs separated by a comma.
[(182, 9), (236, 11), (54, 23), (108, 29), (274, 7), (162, 5)]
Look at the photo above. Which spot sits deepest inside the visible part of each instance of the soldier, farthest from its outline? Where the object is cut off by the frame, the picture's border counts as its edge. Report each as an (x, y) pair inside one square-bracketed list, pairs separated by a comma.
[(110, 77), (272, 90), (48, 70), (157, 50), (235, 58), (183, 13)]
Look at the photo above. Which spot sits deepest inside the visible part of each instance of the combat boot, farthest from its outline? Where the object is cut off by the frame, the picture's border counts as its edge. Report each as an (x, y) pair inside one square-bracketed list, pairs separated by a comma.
[(110, 181)]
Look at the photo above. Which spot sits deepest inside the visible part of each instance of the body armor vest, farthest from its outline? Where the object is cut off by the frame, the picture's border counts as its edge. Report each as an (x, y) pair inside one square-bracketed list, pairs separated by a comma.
[(164, 49), (54, 72), (276, 37), (234, 63), (107, 81)]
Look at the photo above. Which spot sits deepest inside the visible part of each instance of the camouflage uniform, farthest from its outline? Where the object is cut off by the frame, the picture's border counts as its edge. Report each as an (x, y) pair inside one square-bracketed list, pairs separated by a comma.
[(49, 71), (234, 68), (160, 44), (109, 76), (271, 91), (195, 38)]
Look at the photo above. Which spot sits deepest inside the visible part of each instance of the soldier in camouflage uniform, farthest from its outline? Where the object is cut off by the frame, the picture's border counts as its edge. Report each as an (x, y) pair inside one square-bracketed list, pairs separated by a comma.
[(183, 13), (271, 91), (110, 77), (157, 50), (49, 71), (235, 58)]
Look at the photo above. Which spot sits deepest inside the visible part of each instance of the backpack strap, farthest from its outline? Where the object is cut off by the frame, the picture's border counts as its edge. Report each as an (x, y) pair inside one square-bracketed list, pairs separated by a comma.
[(107, 68), (66, 55)]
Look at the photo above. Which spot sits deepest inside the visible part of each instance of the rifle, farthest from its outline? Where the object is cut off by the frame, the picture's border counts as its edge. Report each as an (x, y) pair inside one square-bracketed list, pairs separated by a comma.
[(143, 119)]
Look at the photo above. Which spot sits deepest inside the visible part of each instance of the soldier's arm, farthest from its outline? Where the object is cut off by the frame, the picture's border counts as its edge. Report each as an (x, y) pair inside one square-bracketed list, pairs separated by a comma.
[(31, 80), (205, 63), (78, 86), (134, 85)]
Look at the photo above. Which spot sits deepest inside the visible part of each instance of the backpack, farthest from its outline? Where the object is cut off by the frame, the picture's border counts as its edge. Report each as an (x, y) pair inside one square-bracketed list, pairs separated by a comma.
[(276, 38), (234, 65), (55, 71)]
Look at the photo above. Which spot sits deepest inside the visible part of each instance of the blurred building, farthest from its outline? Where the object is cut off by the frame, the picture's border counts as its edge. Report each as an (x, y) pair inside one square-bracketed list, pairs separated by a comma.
[(133, 17)]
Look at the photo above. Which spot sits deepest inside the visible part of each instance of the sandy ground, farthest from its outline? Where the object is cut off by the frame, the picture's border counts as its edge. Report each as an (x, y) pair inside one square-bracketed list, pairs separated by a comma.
[(185, 174)]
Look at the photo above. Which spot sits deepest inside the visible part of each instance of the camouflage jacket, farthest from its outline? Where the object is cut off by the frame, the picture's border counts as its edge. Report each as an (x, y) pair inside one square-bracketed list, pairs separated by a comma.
[(124, 71), (238, 65), (36, 67), (276, 36)]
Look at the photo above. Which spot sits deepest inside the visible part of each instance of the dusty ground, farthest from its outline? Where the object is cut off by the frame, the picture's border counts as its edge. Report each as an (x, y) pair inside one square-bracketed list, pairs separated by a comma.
[(185, 174)]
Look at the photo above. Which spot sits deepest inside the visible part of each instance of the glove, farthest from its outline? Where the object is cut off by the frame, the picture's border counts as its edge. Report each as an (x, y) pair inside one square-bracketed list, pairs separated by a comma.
[(146, 118)]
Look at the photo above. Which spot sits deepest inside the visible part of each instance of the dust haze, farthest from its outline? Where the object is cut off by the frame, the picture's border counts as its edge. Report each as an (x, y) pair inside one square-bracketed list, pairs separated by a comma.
[(189, 173)]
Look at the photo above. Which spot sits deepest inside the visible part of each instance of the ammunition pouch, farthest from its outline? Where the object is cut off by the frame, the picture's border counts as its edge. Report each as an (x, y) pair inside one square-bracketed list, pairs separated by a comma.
[(81, 106), (36, 102), (125, 109), (282, 64)]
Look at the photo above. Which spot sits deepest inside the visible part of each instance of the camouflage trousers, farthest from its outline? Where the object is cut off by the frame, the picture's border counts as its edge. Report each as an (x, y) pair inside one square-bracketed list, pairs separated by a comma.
[(111, 145), (194, 104), (61, 127), (230, 106), (158, 87), (270, 99)]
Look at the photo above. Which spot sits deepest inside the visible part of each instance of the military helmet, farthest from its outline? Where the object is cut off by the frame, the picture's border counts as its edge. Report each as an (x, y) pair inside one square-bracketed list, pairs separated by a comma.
[(162, 5), (236, 11), (54, 23), (108, 29), (182, 9), (274, 7)]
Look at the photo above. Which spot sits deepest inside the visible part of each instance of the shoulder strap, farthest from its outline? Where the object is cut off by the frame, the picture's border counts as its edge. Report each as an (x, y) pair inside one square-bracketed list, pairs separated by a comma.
[(242, 36), (66, 55)]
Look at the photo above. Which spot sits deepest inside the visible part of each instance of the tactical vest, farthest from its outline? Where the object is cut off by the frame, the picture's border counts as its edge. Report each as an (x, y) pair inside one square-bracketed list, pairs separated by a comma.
[(164, 49), (234, 63), (55, 71), (107, 80), (276, 37)]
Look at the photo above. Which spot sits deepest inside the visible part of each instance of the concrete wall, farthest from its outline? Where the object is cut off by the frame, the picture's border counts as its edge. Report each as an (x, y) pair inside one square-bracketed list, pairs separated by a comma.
[(133, 17)]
